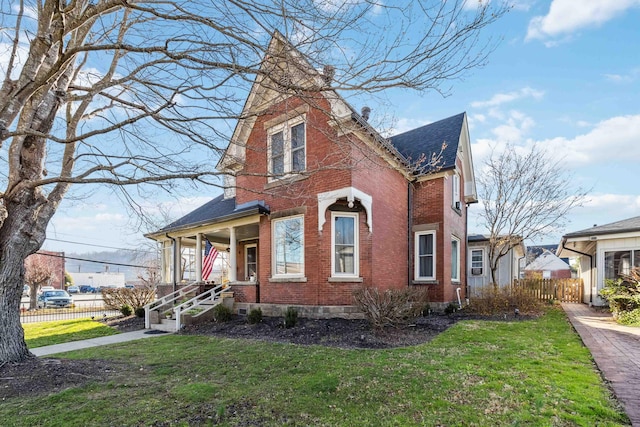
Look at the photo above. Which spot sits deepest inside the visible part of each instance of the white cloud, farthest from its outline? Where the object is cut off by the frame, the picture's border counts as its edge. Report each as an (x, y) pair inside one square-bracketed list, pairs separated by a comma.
[(612, 139), (567, 16), (503, 98), (624, 78), (404, 125)]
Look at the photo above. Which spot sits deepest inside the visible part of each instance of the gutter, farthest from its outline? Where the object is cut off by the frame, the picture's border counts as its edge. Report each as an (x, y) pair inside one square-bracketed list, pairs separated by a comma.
[(564, 240)]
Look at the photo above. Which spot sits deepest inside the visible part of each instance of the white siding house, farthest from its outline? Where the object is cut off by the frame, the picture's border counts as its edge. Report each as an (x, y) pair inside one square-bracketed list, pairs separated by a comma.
[(604, 252), (478, 270)]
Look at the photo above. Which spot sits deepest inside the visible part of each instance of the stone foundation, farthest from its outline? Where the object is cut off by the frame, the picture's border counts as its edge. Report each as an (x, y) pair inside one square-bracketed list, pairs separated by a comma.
[(306, 311)]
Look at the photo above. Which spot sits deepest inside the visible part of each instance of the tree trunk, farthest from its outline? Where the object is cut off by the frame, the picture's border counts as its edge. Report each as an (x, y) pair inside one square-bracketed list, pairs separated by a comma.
[(12, 345), (21, 234)]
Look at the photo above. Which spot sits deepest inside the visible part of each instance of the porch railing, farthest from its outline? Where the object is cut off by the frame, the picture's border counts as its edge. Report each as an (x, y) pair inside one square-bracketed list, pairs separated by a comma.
[(200, 304), (166, 303)]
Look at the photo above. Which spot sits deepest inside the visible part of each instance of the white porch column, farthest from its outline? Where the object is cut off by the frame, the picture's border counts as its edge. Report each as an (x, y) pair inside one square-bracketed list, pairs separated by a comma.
[(166, 261), (177, 261), (233, 267), (199, 257)]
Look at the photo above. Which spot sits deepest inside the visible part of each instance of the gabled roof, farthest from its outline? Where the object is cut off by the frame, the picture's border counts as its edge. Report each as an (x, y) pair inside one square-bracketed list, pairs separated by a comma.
[(547, 261), (624, 226), (217, 210), (428, 139)]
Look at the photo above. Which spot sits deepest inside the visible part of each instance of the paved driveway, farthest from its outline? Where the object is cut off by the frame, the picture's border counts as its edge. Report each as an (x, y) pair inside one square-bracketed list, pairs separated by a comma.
[(616, 351)]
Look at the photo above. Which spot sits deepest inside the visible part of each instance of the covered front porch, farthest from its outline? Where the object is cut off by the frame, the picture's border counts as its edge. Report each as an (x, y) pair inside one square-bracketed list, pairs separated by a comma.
[(233, 234)]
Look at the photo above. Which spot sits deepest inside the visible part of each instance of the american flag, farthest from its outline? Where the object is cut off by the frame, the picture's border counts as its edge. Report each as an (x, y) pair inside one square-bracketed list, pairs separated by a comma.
[(210, 255)]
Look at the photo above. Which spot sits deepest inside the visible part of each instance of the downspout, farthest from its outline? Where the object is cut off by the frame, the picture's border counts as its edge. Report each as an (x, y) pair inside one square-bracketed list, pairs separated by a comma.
[(590, 268), (409, 229), (173, 260)]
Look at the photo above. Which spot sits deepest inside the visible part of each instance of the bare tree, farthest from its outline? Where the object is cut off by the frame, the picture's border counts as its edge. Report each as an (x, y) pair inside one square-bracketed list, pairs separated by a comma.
[(40, 270), (525, 194), (139, 94)]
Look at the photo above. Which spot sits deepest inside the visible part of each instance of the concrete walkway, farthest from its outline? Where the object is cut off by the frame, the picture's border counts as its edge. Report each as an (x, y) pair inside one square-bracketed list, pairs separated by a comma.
[(95, 342), (616, 351)]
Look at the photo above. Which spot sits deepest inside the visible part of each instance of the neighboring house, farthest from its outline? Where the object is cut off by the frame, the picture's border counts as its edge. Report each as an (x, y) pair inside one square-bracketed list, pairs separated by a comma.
[(55, 261), (604, 252), (317, 203), (548, 266), (478, 266)]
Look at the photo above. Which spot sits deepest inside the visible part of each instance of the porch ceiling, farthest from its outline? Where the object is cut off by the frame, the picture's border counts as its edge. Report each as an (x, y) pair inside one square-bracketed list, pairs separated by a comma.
[(222, 236)]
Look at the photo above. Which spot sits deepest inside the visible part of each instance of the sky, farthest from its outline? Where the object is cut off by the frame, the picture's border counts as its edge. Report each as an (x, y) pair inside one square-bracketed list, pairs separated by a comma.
[(565, 75)]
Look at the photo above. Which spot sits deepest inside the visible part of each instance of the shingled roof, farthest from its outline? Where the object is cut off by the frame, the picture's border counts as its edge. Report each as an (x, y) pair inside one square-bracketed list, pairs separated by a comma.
[(624, 226), (428, 139), (217, 210)]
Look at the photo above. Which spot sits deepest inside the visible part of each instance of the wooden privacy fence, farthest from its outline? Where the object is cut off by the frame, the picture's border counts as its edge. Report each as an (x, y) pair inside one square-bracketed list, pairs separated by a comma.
[(564, 290)]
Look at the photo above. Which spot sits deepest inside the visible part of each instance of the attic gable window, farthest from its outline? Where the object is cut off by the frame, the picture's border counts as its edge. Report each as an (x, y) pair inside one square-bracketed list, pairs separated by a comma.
[(287, 148)]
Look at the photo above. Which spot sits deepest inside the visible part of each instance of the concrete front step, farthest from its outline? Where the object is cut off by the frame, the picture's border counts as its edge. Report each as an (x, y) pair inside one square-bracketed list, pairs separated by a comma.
[(167, 325)]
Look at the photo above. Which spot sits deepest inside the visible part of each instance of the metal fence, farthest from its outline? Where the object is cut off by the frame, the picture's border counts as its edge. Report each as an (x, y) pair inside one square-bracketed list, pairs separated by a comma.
[(91, 310)]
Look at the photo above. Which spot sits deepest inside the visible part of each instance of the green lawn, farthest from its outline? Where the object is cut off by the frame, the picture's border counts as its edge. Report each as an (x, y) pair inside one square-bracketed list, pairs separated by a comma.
[(61, 331), (477, 373)]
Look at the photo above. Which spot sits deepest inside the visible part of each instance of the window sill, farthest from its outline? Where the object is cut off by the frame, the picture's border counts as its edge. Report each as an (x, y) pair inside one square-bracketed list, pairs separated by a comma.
[(425, 282), (455, 282), (353, 279), (287, 179), (287, 279)]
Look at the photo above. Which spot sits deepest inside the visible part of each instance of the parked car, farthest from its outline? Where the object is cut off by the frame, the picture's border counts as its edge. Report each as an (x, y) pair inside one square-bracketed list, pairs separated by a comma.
[(55, 298), (73, 289), (86, 289), (46, 288), (129, 286), (25, 291)]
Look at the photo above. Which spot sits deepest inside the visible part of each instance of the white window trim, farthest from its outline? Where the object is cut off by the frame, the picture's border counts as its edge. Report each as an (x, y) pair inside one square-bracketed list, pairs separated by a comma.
[(285, 128), (456, 279), (273, 249), (246, 259), (482, 251), (356, 240), (417, 255)]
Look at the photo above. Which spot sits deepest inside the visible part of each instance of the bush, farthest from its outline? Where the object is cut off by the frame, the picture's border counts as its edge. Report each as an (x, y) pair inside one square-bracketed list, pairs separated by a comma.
[(115, 298), (492, 300), (392, 307), (623, 296), (222, 313), (254, 316), (451, 308), (126, 310), (139, 312), (630, 318), (290, 317)]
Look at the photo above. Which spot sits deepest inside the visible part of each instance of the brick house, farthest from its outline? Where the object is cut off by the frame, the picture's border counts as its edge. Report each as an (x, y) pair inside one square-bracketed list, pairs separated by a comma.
[(317, 203)]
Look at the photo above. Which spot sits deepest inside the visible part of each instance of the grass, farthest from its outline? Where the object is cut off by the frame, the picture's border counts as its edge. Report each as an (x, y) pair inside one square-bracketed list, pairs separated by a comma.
[(477, 373), (48, 333)]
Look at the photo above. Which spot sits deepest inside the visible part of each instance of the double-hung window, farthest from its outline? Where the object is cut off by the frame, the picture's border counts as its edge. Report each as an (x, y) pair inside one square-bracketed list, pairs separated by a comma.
[(455, 191), (287, 148), (288, 247), (455, 259), (425, 255), (477, 262), (344, 242)]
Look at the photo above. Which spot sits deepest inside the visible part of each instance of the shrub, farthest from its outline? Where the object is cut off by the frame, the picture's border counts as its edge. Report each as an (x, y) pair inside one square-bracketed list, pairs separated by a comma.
[(254, 316), (492, 300), (630, 318), (623, 296), (126, 310), (450, 308), (290, 317), (117, 297), (139, 311), (222, 313), (392, 307)]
